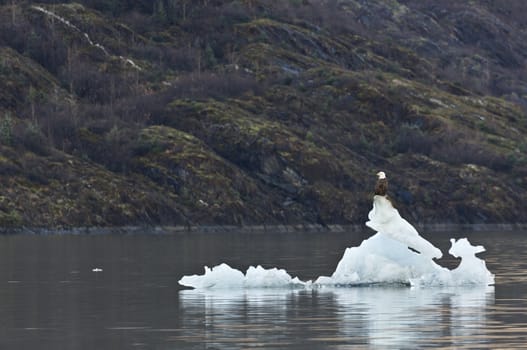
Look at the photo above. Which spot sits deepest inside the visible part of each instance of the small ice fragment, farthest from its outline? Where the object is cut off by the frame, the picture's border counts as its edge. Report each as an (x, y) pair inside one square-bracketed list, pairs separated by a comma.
[(96, 269)]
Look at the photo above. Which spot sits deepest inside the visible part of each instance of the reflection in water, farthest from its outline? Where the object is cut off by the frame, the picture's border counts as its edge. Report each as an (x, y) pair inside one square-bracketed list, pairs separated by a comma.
[(374, 316), (51, 299), (400, 317), (237, 317)]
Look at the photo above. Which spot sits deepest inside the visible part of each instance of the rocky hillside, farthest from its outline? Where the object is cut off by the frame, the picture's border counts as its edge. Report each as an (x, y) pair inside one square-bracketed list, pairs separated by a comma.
[(261, 112)]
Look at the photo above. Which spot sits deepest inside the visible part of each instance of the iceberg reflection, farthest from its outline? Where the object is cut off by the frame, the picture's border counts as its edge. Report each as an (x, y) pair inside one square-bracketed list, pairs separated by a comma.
[(381, 316), (404, 317)]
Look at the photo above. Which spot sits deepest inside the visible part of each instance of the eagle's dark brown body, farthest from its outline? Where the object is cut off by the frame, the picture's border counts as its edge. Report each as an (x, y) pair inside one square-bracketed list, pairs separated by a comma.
[(381, 188)]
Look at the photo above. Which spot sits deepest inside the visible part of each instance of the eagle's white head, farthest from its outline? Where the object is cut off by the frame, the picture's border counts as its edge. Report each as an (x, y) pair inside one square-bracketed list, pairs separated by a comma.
[(381, 175)]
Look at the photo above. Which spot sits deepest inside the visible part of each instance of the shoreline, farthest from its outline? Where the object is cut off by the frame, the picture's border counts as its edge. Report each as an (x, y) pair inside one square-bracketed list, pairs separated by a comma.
[(256, 229)]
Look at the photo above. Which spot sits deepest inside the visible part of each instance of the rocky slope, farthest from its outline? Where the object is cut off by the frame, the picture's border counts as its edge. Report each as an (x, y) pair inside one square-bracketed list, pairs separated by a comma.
[(261, 112)]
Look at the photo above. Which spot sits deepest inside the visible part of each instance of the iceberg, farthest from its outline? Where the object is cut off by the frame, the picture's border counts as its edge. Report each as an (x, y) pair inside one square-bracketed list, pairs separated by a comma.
[(386, 219), (383, 259)]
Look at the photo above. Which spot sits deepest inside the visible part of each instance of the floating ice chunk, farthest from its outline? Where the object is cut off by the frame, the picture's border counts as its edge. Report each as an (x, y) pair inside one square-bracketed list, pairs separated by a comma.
[(257, 277), (96, 269), (384, 258), (223, 277), (471, 270)]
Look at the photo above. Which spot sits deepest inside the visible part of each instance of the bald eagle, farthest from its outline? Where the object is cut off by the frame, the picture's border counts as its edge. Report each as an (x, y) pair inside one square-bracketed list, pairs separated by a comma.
[(381, 188)]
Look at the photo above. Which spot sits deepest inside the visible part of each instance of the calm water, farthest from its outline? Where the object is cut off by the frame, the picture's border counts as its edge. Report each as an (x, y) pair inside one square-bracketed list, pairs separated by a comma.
[(51, 299)]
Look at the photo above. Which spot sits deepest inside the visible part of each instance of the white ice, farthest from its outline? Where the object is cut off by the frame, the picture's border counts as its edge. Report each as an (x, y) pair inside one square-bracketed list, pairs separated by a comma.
[(386, 219), (383, 259), (225, 277)]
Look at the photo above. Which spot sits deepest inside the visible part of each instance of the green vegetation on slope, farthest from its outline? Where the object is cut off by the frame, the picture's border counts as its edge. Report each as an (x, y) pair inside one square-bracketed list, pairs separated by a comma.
[(260, 112)]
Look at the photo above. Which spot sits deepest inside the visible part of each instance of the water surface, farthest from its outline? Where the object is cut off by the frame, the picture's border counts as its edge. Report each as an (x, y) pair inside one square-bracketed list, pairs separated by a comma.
[(50, 297)]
